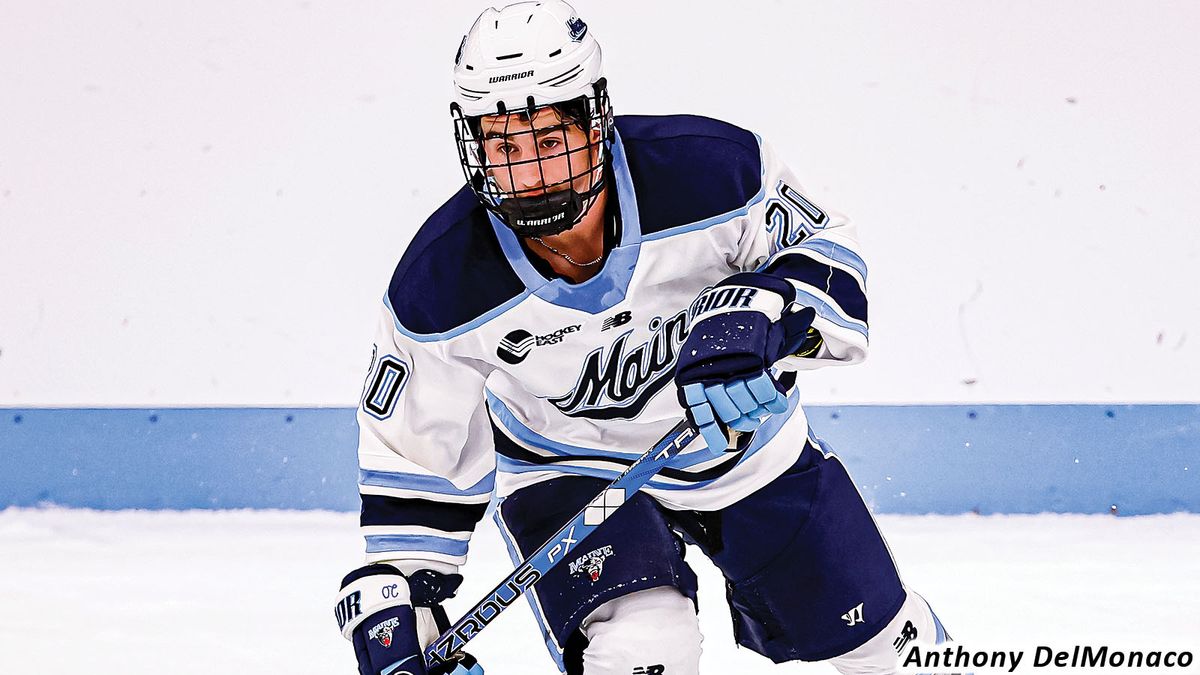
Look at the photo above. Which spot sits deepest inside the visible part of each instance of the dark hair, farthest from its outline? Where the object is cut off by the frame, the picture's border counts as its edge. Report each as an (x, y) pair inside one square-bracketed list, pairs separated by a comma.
[(576, 111)]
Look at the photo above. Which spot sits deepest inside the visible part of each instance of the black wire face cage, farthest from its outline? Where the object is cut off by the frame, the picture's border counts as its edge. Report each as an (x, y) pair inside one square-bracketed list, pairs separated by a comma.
[(528, 168)]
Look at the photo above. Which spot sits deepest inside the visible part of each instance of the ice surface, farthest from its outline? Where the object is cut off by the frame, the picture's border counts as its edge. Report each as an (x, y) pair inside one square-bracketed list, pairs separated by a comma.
[(225, 592)]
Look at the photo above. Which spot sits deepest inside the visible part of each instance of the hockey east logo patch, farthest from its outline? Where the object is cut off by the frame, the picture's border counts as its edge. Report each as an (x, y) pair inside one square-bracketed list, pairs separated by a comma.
[(591, 563), (515, 346), (384, 631)]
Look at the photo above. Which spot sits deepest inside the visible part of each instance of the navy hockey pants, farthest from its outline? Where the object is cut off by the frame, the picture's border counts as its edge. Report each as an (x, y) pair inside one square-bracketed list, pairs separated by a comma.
[(808, 575)]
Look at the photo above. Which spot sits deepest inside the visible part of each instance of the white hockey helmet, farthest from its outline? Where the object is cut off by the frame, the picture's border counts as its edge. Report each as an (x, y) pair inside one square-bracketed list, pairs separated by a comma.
[(538, 49), (515, 61)]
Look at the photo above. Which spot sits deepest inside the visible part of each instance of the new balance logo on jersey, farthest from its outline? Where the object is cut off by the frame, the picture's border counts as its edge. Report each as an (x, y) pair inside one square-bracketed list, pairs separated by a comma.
[(516, 345), (618, 384), (907, 634), (616, 320), (854, 616), (656, 669)]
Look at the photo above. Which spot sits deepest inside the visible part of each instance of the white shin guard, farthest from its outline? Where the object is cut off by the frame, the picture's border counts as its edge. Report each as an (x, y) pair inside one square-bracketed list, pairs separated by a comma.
[(915, 622), (650, 632)]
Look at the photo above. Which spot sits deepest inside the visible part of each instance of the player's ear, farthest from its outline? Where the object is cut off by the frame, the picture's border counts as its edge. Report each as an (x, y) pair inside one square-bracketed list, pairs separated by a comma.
[(594, 140)]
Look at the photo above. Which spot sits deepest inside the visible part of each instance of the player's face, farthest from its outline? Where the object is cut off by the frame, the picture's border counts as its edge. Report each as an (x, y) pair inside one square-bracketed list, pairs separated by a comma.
[(528, 157)]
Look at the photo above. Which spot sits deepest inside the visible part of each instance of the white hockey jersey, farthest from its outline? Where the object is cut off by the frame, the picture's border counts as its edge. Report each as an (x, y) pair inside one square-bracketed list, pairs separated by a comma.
[(489, 376)]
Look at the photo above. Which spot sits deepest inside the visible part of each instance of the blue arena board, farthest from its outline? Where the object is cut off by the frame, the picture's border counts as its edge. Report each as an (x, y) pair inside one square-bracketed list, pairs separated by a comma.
[(1123, 459)]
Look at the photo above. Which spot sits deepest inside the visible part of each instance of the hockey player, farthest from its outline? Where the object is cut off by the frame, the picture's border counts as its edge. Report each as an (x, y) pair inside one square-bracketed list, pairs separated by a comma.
[(595, 280)]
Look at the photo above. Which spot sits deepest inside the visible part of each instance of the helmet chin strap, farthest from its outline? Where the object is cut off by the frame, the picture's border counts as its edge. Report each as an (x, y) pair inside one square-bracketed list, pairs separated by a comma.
[(547, 214)]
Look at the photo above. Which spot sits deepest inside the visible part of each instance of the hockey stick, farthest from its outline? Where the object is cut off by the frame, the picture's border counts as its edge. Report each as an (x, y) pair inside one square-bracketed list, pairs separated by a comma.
[(556, 548)]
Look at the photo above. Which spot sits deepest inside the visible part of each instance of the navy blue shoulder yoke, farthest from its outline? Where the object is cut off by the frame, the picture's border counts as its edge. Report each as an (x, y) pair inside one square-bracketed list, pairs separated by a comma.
[(453, 270), (684, 168), (687, 168)]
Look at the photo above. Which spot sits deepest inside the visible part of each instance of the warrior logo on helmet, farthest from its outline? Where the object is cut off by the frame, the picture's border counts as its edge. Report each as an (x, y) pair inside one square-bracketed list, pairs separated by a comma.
[(384, 631), (532, 118)]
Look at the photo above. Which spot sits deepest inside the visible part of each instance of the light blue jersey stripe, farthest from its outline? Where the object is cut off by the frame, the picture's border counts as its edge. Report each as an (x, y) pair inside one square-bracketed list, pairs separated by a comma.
[(708, 222), (412, 481), (396, 666), (453, 332), (381, 543), (509, 465), (835, 251), (610, 285), (761, 437), (827, 312), (940, 631), (532, 438)]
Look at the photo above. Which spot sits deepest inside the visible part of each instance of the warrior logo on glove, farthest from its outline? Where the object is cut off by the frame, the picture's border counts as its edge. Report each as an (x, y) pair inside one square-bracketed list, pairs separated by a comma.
[(383, 631), (739, 328), (722, 297)]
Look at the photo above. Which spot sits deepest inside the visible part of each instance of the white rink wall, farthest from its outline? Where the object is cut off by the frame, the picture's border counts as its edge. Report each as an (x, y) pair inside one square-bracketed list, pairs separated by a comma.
[(201, 202)]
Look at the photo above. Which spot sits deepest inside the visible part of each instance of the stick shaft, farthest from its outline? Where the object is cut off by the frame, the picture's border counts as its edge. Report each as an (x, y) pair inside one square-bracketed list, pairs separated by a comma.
[(533, 568)]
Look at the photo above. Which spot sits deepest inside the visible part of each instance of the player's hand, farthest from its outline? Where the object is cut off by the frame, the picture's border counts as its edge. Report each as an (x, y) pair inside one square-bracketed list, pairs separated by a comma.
[(737, 330), (375, 610)]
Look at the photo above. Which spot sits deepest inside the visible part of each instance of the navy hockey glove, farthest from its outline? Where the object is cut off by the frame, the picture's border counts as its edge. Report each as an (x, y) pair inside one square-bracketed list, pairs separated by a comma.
[(377, 609), (738, 329)]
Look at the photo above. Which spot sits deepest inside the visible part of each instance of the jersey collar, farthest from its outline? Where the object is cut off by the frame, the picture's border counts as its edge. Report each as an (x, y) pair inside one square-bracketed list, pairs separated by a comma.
[(608, 287)]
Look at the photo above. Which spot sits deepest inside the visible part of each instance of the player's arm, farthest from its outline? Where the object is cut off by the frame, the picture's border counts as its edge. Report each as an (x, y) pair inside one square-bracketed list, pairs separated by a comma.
[(816, 251), (426, 468), (425, 453), (798, 302)]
